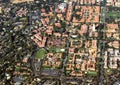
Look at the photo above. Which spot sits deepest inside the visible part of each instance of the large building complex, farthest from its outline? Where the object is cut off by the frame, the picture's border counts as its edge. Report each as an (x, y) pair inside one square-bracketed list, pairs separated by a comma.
[(60, 42)]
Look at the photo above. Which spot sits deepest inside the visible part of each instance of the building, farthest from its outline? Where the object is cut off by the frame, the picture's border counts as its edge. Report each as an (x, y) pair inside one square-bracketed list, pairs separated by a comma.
[(113, 3), (117, 3), (21, 12), (69, 11), (87, 1), (20, 1), (110, 2), (39, 40), (87, 14), (113, 56), (0, 10)]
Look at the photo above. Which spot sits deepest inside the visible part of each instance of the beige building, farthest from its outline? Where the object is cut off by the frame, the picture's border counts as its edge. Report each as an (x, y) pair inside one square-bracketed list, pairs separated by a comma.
[(117, 3), (20, 1), (110, 2), (113, 3), (0, 9)]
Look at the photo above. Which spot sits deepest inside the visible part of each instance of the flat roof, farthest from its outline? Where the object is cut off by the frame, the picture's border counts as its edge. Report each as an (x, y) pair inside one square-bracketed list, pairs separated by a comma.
[(20, 1)]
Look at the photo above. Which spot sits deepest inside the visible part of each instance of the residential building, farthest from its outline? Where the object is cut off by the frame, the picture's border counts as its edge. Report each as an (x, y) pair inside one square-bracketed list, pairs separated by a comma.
[(20, 1), (117, 3), (69, 11), (88, 14), (0, 10)]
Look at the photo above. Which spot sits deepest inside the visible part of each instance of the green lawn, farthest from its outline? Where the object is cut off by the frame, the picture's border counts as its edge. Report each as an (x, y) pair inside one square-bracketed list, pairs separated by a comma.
[(68, 72), (47, 67), (56, 50), (40, 53), (23, 19), (17, 68), (113, 14), (91, 73)]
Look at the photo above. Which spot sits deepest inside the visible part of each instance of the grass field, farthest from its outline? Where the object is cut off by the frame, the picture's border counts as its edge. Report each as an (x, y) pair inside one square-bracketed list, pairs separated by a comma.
[(113, 14), (40, 53)]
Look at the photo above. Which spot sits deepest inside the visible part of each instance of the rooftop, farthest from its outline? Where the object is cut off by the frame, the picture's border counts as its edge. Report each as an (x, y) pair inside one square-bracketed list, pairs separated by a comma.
[(20, 1)]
